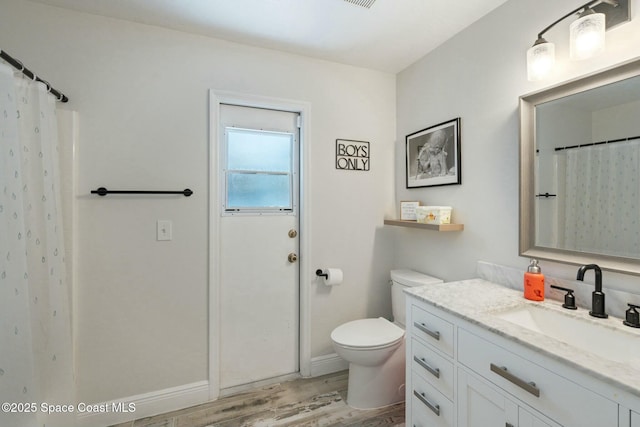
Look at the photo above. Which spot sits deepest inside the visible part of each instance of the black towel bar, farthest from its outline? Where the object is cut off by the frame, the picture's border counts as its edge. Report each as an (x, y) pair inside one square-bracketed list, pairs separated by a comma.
[(545, 195), (103, 192)]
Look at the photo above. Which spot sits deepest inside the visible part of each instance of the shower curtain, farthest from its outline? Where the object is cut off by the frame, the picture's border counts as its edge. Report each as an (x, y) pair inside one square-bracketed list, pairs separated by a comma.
[(36, 364), (602, 193)]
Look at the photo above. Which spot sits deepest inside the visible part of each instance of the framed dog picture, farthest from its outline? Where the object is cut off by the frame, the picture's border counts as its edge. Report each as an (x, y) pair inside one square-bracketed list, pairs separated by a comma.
[(433, 155)]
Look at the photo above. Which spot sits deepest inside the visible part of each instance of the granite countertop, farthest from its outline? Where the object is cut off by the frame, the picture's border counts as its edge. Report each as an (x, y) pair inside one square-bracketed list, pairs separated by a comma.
[(479, 301)]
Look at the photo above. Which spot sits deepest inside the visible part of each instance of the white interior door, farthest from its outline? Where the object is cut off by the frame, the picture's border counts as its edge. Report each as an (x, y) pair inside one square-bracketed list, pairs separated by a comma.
[(259, 287)]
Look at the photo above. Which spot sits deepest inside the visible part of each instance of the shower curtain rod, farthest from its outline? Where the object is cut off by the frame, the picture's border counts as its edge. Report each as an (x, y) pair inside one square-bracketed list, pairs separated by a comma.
[(24, 70), (596, 143)]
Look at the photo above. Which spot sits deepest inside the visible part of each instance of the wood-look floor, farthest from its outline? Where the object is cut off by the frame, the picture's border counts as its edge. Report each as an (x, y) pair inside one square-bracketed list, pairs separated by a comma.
[(309, 402)]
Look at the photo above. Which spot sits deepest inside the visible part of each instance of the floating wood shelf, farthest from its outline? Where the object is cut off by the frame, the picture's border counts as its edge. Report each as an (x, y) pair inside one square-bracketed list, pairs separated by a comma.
[(414, 224)]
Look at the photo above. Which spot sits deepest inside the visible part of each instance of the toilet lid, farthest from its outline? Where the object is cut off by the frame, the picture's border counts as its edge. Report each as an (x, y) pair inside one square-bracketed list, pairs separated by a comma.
[(367, 333)]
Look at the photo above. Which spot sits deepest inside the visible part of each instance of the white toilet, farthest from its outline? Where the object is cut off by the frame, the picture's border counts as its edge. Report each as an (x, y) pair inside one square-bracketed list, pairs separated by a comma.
[(375, 349)]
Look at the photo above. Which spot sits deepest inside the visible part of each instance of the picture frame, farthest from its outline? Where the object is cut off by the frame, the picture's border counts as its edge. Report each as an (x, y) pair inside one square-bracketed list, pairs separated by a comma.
[(408, 210), (433, 156)]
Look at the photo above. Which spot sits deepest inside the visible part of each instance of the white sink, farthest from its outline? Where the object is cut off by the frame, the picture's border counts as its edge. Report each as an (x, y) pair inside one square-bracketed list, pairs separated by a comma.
[(606, 338)]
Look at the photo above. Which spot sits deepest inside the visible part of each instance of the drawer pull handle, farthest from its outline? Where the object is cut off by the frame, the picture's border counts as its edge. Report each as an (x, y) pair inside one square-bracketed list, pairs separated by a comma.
[(435, 408), (526, 386), (508, 425), (423, 328), (434, 371)]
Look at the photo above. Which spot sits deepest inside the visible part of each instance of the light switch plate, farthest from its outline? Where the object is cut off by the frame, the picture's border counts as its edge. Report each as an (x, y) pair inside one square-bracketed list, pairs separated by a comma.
[(163, 231)]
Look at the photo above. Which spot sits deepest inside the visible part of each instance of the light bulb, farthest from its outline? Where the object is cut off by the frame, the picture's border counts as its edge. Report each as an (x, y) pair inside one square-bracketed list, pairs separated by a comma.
[(587, 35), (540, 60)]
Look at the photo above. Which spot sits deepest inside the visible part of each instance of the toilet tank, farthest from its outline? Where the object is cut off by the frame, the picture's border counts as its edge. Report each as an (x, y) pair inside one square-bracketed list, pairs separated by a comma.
[(401, 279)]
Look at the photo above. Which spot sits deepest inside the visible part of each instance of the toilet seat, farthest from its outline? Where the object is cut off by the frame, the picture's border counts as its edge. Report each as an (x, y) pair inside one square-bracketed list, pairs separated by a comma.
[(367, 334)]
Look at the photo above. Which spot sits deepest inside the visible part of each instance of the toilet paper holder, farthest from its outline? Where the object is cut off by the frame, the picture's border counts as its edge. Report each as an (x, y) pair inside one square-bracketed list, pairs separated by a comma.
[(320, 273)]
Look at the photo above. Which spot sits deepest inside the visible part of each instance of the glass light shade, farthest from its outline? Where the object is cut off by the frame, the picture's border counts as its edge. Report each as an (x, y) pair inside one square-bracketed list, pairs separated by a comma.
[(586, 35), (540, 60)]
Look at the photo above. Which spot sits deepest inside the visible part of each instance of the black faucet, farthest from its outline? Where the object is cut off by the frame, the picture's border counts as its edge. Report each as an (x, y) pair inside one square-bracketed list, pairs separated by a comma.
[(597, 296)]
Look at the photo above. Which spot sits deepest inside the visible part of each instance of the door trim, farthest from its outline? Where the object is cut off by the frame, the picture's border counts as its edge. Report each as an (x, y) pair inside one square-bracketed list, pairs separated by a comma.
[(216, 98)]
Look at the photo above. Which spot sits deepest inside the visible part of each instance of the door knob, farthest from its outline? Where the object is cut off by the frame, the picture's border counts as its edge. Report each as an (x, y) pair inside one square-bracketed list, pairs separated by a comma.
[(292, 257), (293, 233)]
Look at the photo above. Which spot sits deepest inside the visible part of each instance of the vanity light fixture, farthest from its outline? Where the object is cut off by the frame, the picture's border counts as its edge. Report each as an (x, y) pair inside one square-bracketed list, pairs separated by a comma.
[(586, 35)]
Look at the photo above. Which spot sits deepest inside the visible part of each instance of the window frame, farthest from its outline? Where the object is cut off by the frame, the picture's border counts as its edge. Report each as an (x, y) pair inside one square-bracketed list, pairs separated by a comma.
[(263, 210)]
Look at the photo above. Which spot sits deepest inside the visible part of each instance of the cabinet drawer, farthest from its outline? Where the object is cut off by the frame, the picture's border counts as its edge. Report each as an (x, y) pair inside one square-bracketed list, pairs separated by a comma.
[(437, 370), (562, 400), (429, 408), (432, 329)]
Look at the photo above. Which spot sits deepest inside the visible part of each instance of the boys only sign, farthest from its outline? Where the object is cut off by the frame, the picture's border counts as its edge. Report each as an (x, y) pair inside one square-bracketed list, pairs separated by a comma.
[(352, 155)]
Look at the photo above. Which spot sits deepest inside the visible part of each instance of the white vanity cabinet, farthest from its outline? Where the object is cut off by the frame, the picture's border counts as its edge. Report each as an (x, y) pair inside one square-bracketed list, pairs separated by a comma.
[(430, 369), (459, 374), (635, 419)]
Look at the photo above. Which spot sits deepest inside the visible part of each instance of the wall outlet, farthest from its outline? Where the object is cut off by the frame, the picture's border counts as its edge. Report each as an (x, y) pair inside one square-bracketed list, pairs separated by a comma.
[(163, 229)]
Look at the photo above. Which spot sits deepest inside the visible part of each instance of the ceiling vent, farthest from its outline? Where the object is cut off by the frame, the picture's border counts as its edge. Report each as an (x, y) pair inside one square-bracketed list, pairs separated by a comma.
[(362, 3)]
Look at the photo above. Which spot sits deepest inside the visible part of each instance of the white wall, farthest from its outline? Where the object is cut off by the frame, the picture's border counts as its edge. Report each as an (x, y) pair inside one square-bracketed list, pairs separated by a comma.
[(479, 75), (142, 96), (616, 122)]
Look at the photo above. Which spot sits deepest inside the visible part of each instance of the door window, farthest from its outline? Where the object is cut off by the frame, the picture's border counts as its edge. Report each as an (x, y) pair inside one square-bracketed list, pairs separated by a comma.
[(258, 171)]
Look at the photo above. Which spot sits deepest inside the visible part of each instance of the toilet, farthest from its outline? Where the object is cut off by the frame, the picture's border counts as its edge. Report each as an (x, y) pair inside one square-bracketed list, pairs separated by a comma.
[(375, 349)]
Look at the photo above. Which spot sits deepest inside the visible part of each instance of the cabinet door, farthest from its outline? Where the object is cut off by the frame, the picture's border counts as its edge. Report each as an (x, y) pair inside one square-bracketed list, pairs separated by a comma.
[(635, 419), (527, 419), (429, 408), (480, 405)]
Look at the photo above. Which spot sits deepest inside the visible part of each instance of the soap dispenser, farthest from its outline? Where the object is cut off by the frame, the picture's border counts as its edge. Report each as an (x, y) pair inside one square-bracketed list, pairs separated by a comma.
[(534, 282)]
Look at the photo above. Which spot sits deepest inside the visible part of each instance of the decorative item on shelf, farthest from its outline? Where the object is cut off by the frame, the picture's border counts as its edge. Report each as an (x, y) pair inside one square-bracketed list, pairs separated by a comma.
[(586, 35), (433, 214), (408, 210), (352, 155), (433, 155)]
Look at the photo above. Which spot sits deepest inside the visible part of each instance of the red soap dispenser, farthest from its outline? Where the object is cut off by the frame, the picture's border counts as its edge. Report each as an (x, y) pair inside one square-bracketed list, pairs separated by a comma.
[(534, 282)]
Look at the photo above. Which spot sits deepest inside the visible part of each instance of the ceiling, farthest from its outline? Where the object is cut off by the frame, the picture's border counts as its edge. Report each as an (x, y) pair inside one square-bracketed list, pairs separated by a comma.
[(388, 36)]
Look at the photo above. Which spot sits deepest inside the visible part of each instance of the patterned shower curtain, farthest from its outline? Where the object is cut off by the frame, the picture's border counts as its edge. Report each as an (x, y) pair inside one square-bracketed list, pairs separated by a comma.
[(602, 194), (36, 364)]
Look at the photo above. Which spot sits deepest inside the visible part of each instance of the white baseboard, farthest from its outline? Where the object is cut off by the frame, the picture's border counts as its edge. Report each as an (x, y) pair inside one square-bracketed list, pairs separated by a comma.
[(144, 405), (328, 364), (175, 398)]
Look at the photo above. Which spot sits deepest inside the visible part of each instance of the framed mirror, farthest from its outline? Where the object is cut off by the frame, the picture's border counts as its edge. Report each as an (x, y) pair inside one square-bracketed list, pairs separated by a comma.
[(580, 171)]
